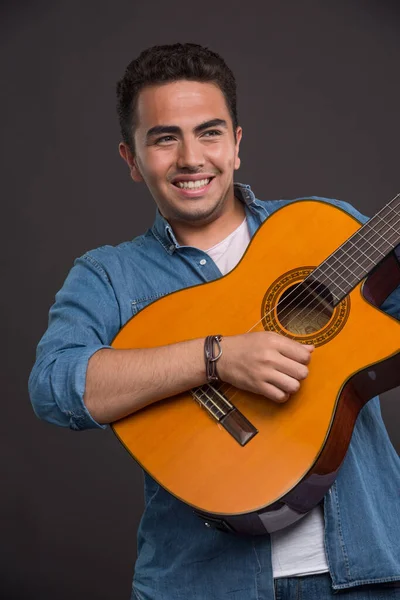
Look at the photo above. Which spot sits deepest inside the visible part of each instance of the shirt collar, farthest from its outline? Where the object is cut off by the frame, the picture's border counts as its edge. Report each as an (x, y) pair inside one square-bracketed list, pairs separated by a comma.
[(163, 232)]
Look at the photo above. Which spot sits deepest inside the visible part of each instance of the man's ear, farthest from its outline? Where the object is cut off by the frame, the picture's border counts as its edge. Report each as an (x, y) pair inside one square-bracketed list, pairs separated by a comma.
[(239, 133), (126, 153)]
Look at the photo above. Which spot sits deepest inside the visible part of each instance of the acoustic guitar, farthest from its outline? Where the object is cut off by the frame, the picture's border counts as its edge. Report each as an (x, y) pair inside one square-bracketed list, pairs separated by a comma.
[(244, 463)]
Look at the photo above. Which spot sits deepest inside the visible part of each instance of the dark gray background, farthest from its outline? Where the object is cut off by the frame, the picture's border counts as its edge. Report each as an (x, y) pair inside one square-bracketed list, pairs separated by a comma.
[(319, 92)]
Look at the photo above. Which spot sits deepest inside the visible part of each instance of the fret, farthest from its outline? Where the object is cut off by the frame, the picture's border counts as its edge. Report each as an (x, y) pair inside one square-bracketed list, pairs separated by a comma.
[(364, 238), (359, 247), (361, 253), (386, 224), (325, 267), (352, 265), (371, 232)]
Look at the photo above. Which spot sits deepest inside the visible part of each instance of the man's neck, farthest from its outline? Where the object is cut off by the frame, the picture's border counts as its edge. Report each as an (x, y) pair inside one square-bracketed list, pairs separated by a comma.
[(208, 235)]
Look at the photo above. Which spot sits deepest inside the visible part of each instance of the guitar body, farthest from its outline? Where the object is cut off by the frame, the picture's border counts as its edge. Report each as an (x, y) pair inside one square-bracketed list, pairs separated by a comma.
[(288, 465)]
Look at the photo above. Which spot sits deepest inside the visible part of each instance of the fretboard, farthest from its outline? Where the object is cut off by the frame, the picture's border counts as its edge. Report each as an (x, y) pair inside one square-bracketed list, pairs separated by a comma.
[(361, 253)]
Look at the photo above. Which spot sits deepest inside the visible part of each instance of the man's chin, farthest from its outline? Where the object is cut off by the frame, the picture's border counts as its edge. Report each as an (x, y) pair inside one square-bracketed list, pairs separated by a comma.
[(197, 216)]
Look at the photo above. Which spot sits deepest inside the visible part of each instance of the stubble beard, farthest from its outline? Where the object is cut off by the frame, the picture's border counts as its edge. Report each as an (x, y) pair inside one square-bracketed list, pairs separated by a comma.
[(200, 216)]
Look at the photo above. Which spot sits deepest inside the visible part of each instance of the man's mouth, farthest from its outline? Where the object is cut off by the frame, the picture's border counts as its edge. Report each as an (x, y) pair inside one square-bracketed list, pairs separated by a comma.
[(193, 185)]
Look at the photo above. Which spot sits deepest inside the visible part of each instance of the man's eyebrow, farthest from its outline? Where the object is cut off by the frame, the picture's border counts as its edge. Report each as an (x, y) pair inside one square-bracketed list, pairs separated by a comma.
[(212, 123), (162, 130), (174, 129)]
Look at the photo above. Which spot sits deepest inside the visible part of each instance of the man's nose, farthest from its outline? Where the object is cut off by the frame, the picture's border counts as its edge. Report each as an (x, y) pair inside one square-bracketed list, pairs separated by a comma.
[(190, 155)]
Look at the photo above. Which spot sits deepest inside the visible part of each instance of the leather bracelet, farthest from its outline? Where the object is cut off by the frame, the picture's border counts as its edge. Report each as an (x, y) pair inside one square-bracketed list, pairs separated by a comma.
[(211, 357)]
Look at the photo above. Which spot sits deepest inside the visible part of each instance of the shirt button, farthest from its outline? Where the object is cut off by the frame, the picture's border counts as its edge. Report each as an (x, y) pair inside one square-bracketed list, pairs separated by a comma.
[(203, 261), (172, 247)]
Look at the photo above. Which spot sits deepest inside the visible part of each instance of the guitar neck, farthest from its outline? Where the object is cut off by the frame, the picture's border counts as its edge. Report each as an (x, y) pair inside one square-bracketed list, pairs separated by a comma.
[(361, 253)]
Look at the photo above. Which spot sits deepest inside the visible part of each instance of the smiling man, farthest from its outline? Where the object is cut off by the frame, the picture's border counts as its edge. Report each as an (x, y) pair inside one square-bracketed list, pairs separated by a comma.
[(186, 150), (180, 136)]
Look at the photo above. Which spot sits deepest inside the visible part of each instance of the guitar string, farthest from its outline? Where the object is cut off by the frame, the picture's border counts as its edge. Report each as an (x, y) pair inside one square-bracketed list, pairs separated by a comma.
[(365, 240), (349, 283), (329, 280)]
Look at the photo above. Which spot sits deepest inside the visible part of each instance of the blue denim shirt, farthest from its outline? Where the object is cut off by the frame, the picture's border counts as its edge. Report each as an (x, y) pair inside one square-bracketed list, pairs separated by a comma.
[(178, 557)]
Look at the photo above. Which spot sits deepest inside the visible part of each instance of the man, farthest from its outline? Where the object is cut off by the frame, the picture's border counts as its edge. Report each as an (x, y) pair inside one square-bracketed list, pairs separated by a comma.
[(177, 110)]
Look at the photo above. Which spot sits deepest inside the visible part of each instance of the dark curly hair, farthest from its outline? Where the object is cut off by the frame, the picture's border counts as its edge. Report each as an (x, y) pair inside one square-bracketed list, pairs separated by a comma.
[(163, 64)]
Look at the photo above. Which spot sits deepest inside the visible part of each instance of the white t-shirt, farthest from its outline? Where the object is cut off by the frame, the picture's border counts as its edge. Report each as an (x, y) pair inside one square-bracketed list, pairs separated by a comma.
[(298, 549)]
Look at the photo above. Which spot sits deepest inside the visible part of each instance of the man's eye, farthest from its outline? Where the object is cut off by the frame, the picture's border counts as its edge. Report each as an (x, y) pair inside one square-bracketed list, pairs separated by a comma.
[(212, 133), (164, 139)]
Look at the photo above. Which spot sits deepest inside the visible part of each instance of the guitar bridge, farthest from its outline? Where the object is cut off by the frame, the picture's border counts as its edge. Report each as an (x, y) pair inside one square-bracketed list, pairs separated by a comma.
[(225, 413)]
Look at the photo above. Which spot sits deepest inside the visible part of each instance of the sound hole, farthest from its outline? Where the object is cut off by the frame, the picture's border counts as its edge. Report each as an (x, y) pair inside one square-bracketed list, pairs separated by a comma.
[(305, 308)]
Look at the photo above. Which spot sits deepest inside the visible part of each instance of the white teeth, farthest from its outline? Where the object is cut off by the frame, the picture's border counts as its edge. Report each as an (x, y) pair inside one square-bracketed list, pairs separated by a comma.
[(193, 184)]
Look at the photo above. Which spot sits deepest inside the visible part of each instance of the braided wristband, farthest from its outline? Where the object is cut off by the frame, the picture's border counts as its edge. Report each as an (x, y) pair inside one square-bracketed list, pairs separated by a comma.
[(211, 357)]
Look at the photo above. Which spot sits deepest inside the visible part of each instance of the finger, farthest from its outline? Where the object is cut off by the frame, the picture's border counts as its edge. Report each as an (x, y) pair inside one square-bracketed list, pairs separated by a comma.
[(283, 382), (273, 393), (291, 367), (294, 350)]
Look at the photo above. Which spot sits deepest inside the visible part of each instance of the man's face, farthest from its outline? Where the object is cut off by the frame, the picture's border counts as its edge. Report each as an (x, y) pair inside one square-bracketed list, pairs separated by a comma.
[(185, 150)]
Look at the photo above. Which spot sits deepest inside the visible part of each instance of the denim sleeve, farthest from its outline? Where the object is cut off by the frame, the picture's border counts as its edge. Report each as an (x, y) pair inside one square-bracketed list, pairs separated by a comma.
[(392, 303), (84, 319)]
